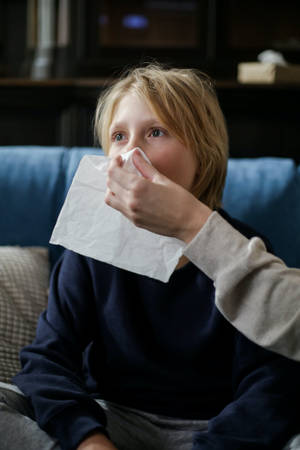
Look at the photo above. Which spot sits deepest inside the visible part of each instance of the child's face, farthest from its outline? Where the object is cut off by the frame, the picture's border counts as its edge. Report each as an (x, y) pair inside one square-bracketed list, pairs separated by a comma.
[(135, 125)]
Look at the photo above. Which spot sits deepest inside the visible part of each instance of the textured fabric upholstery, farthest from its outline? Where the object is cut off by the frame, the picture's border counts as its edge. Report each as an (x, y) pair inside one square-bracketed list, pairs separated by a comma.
[(263, 192), (24, 280), (33, 185)]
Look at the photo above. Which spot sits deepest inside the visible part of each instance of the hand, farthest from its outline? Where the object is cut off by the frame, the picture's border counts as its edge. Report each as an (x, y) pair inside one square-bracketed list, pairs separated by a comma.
[(97, 441), (153, 201)]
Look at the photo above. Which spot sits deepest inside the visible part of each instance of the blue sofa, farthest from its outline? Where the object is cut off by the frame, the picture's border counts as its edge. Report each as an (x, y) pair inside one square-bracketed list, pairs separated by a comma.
[(263, 192)]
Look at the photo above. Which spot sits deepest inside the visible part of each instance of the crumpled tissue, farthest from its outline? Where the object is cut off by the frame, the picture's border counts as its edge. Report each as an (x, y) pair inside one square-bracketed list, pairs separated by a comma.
[(271, 56), (88, 226)]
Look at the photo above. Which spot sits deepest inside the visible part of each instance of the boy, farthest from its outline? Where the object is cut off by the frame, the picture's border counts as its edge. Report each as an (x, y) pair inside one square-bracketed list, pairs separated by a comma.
[(123, 361)]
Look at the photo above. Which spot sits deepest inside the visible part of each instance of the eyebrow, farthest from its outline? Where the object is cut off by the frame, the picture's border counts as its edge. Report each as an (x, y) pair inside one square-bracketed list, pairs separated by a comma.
[(145, 123)]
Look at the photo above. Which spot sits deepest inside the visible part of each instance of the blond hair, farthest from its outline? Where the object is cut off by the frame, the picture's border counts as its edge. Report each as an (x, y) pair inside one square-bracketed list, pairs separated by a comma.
[(184, 100)]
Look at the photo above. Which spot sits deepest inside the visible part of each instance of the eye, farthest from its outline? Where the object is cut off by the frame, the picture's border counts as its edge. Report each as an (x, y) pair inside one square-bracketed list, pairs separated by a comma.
[(156, 132), (118, 137)]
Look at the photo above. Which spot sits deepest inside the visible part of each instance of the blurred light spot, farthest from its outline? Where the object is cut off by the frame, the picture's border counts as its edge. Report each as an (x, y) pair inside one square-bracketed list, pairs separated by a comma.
[(135, 21)]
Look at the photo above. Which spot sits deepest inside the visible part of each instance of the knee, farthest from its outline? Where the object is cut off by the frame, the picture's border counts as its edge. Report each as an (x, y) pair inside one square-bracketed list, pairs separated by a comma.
[(14, 402), (4, 398)]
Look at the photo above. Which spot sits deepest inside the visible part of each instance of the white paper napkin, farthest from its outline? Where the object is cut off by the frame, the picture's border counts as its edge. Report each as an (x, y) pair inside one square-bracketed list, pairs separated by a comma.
[(88, 226)]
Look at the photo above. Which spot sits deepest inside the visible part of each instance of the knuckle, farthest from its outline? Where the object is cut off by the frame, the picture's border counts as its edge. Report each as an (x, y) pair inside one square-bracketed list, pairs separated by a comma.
[(136, 220), (108, 197), (135, 200), (134, 204), (138, 186)]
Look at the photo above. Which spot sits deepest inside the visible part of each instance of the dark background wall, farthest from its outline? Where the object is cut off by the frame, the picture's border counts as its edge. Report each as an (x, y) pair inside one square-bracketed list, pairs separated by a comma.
[(105, 36)]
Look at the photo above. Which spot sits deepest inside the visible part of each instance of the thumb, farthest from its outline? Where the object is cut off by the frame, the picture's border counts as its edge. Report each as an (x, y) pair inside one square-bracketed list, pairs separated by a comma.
[(146, 169)]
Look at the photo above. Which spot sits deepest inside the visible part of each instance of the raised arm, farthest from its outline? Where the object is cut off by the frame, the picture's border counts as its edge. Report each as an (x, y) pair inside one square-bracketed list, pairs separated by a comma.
[(255, 291)]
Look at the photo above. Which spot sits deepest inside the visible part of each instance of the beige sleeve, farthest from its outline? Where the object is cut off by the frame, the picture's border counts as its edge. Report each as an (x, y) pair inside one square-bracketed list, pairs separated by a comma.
[(255, 291)]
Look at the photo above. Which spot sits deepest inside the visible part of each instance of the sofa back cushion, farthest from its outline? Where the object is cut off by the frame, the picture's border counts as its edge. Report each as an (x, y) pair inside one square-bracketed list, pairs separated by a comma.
[(33, 185), (263, 192)]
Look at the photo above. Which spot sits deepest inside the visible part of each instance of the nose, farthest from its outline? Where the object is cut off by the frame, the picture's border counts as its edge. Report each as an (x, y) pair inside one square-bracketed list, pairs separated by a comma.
[(134, 141)]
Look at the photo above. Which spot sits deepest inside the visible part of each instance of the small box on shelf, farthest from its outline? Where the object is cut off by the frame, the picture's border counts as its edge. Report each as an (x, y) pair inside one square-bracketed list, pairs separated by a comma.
[(268, 73)]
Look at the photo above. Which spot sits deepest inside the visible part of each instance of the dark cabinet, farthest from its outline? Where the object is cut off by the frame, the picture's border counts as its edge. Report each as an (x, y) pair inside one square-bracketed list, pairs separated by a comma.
[(101, 37), (262, 120), (93, 39)]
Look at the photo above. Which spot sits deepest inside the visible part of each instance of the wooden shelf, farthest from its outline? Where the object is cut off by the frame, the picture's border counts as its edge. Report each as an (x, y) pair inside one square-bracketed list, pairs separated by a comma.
[(54, 82), (99, 82), (262, 119)]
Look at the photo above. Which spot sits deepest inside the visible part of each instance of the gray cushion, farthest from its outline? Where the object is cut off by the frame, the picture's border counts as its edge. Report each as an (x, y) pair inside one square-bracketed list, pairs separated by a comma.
[(24, 279)]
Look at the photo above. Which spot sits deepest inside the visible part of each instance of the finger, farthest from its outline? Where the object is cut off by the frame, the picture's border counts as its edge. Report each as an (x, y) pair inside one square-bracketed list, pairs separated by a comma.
[(119, 179), (114, 202), (146, 169), (115, 161), (118, 160), (109, 197), (118, 189)]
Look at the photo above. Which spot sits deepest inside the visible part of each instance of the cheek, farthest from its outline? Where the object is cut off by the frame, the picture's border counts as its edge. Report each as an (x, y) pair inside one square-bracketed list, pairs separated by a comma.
[(177, 166), (114, 150), (165, 163)]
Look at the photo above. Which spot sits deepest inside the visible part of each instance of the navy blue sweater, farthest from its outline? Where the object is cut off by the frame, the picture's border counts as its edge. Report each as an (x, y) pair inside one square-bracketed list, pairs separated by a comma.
[(159, 347)]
